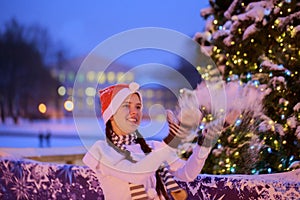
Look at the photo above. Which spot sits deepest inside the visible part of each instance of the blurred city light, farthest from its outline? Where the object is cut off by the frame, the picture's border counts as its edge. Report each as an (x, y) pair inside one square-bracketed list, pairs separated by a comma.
[(68, 105), (42, 108), (89, 91), (61, 90)]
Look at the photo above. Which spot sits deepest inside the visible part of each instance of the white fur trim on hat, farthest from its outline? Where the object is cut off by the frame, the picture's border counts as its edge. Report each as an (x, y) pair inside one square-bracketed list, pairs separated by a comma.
[(118, 100)]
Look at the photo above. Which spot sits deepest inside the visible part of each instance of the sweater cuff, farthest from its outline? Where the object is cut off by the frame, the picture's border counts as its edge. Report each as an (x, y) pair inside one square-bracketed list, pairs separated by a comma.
[(172, 140)]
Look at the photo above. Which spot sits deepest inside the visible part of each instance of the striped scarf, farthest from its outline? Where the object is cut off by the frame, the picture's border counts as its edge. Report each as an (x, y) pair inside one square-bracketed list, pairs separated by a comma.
[(121, 140), (138, 191)]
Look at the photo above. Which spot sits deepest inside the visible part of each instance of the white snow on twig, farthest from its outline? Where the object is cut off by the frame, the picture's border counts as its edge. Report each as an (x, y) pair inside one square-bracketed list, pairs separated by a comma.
[(227, 25), (297, 107), (228, 40), (250, 31), (205, 36), (256, 14), (279, 129), (209, 26), (284, 21), (277, 79), (271, 66), (256, 11), (292, 122), (231, 8), (206, 11), (221, 33)]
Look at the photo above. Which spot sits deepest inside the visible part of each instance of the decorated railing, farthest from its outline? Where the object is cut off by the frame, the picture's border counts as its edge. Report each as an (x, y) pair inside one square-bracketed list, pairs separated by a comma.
[(28, 179)]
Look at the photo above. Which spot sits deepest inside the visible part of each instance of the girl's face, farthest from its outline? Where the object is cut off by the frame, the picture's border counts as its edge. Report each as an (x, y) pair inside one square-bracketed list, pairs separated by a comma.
[(128, 117)]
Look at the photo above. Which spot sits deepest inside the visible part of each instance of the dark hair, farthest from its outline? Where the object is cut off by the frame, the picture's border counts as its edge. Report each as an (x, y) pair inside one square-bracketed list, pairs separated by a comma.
[(160, 189)]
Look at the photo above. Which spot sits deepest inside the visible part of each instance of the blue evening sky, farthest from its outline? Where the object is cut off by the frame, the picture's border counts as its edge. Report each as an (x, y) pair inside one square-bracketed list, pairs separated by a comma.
[(79, 25)]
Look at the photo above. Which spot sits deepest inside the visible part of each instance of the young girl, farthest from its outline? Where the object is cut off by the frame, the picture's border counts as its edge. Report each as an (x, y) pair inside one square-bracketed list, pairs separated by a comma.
[(126, 165)]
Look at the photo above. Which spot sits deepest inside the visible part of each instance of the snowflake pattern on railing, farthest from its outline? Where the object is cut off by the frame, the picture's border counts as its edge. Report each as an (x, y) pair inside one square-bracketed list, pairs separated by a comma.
[(36, 180), (27, 179)]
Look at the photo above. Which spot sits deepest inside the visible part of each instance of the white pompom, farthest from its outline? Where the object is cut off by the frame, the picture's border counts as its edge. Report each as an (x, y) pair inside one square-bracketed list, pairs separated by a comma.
[(134, 87)]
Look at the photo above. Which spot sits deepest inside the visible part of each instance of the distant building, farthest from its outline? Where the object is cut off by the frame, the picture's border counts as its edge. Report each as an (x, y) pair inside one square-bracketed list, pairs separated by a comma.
[(90, 79)]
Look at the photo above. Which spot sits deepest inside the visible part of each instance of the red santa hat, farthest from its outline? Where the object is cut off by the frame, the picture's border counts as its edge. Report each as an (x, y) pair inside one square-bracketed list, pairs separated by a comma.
[(113, 96)]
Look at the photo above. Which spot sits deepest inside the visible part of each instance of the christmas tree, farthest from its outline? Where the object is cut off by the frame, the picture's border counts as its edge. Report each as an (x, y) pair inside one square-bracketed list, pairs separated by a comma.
[(256, 47)]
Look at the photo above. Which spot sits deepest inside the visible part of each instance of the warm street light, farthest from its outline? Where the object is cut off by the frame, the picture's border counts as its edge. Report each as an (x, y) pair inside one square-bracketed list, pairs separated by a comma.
[(42, 108)]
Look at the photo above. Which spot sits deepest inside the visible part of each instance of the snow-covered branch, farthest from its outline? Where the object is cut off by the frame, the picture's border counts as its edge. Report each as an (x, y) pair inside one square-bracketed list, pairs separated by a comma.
[(250, 30), (228, 40), (202, 37), (256, 14), (297, 107), (205, 12), (284, 21), (221, 33), (271, 66), (277, 79), (231, 8)]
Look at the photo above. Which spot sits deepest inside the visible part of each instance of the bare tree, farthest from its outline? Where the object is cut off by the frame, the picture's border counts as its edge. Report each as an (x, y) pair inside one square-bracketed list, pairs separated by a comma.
[(24, 79)]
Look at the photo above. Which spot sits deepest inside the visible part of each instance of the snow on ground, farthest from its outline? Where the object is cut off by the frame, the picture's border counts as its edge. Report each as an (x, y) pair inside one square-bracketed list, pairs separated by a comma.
[(64, 133)]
